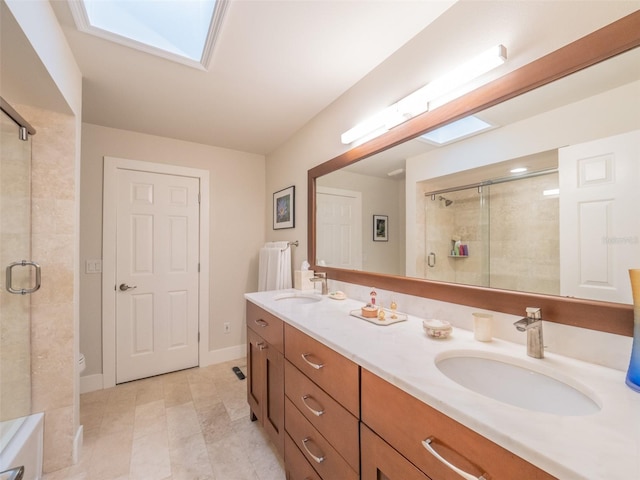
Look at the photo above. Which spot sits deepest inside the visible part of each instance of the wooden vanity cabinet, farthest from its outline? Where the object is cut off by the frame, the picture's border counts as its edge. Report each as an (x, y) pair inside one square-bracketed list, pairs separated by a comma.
[(404, 422), (381, 462), (322, 410), (265, 372)]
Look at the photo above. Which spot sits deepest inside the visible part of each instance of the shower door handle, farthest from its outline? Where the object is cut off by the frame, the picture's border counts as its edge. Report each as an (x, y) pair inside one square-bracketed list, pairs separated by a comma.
[(9, 278), (14, 473)]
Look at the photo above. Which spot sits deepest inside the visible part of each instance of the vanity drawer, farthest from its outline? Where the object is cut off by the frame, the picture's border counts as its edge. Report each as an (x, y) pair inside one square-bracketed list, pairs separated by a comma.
[(336, 374), (297, 467), (268, 326), (331, 419), (327, 462), (405, 422)]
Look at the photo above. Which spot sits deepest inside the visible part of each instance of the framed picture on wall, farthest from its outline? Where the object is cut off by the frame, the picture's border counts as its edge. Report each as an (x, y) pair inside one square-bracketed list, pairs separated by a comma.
[(380, 228), (284, 208)]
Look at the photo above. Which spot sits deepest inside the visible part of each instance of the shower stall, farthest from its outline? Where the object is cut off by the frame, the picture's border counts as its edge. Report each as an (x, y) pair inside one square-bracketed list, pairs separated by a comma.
[(20, 277), (500, 233)]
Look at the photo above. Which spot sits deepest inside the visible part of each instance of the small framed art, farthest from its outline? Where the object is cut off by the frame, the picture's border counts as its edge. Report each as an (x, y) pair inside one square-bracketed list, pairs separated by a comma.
[(284, 208), (380, 228)]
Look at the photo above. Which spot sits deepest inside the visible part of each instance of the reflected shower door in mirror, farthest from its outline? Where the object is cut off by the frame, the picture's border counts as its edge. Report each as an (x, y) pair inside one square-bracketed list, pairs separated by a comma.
[(500, 235), (569, 243)]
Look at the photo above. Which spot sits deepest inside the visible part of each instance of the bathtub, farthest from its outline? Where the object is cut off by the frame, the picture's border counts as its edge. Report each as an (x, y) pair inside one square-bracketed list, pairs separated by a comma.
[(21, 443)]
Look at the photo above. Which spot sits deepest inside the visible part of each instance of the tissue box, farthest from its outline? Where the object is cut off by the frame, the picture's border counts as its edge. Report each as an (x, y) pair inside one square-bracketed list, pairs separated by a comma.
[(301, 280)]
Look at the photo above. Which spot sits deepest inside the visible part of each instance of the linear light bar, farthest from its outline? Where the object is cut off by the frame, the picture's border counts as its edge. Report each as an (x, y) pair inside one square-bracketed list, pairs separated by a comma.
[(436, 93)]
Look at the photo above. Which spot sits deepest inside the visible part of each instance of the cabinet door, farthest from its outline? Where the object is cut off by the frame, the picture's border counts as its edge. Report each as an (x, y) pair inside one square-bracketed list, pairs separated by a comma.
[(255, 373), (382, 462), (273, 400)]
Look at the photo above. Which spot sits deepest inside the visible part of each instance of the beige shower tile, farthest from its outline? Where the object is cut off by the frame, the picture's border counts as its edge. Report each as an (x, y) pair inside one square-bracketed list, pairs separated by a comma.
[(58, 438)]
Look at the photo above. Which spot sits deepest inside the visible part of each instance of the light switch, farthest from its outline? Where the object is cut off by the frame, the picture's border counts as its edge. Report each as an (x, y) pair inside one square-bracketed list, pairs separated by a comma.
[(93, 266)]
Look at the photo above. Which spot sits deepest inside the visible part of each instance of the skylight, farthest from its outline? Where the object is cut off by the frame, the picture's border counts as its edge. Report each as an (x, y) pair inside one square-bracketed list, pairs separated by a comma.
[(463, 128), (179, 30)]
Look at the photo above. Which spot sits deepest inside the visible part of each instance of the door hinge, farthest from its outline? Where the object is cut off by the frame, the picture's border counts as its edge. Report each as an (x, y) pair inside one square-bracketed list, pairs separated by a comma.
[(198, 268), (199, 198), (198, 337)]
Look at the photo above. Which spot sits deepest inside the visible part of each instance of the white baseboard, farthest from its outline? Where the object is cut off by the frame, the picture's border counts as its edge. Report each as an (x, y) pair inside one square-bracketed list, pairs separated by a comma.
[(91, 383), (224, 355), (77, 445)]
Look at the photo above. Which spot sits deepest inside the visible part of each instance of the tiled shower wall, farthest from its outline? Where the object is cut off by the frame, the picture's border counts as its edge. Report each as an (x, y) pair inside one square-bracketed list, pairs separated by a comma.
[(53, 246)]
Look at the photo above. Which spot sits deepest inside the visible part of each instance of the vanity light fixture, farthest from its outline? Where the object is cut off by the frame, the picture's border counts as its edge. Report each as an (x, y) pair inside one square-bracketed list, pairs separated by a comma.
[(433, 95)]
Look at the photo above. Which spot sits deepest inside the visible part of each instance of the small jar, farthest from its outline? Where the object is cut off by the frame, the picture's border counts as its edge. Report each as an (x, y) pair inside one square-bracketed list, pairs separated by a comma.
[(437, 328), (482, 326)]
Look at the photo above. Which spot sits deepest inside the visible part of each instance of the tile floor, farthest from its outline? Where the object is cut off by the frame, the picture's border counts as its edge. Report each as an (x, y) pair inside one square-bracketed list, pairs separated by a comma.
[(188, 425)]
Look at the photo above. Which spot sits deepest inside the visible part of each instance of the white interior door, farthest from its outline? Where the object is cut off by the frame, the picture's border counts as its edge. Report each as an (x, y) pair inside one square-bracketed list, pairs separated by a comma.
[(157, 243), (599, 222), (339, 228)]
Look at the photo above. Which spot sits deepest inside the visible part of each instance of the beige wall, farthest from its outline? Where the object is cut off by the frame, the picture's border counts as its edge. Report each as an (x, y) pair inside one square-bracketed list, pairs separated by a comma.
[(237, 225)]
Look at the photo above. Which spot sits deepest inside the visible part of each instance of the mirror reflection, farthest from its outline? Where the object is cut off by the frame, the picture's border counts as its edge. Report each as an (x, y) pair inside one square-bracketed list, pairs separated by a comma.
[(460, 210)]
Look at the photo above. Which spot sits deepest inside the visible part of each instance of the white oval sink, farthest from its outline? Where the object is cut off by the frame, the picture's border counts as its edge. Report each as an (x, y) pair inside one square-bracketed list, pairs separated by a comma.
[(501, 378), (297, 298)]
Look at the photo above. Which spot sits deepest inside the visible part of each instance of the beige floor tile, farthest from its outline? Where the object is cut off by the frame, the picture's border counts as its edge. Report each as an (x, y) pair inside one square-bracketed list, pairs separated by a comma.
[(190, 459), (150, 457), (187, 425), (150, 418), (182, 422)]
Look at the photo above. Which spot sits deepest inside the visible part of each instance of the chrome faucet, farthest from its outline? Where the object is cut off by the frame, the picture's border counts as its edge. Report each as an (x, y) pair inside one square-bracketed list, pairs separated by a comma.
[(532, 324), (321, 277)]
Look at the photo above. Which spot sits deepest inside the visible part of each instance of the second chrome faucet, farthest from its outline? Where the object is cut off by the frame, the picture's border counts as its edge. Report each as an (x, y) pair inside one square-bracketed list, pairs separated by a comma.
[(532, 324)]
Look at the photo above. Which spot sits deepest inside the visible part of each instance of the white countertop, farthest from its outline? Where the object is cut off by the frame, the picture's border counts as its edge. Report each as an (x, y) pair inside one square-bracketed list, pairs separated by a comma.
[(604, 445)]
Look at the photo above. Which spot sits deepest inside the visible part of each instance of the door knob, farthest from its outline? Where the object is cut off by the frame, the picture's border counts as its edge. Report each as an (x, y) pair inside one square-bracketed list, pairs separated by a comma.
[(124, 287)]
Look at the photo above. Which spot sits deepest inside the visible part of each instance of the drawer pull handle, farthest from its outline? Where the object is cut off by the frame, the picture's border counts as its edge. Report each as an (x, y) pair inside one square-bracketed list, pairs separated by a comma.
[(317, 366), (319, 459), (261, 323), (317, 413), (261, 346), (467, 476)]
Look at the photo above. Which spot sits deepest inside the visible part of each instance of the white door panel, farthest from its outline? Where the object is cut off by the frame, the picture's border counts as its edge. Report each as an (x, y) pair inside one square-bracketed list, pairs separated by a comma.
[(599, 224), (157, 256), (339, 234)]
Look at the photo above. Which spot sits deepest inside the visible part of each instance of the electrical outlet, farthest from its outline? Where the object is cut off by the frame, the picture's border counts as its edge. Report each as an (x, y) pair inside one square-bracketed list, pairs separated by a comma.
[(227, 327)]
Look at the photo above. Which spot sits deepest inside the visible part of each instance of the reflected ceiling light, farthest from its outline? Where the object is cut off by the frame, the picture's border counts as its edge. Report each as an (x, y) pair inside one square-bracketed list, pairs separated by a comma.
[(463, 128), (436, 93), (518, 170), (553, 191)]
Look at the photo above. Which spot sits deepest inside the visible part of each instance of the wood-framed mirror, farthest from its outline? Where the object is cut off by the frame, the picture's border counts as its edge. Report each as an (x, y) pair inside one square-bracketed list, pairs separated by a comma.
[(608, 42)]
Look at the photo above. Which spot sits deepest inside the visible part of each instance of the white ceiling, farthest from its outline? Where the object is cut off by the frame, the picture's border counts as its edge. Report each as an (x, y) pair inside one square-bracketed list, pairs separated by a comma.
[(275, 66)]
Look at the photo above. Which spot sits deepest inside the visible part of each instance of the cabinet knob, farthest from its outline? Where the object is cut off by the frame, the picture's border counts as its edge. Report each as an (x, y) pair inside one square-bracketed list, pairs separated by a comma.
[(261, 346)]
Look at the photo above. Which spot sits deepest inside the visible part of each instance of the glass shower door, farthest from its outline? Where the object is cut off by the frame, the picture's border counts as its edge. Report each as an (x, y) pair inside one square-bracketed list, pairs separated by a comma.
[(15, 246)]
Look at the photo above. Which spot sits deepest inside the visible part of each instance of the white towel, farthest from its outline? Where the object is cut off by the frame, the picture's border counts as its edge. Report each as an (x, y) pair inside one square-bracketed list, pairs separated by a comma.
[(274, 272)]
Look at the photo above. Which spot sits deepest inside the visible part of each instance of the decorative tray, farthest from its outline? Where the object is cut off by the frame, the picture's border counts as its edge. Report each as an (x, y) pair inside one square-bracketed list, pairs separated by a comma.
[(387, 319)]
